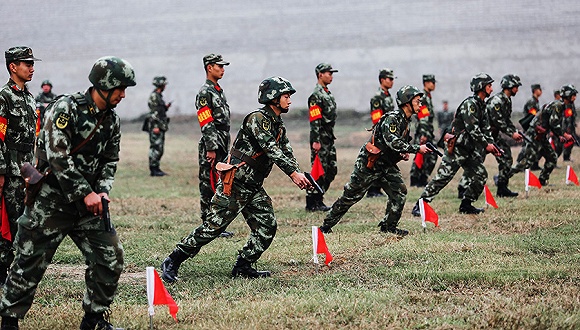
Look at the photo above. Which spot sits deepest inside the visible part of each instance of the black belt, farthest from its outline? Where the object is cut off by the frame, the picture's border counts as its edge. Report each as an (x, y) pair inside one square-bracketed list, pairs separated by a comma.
[(252, 162)]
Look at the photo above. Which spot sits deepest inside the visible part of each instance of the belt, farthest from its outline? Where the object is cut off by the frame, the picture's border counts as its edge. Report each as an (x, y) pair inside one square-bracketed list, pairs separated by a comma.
[(252, 162)]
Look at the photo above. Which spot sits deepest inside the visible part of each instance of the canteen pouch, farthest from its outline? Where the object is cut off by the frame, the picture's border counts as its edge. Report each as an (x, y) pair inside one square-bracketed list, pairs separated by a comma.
[(227, 175), (34, 180), (372, 154)]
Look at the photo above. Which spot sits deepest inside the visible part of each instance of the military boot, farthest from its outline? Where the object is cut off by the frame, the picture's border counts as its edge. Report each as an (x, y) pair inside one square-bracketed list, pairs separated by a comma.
[(320, 204), (467, 208), (97, 321), (155, 171), (243, 268), (394, 230), (416, 212), (503, 191), (9, 323), (325, 229), (171, 264), (310, 203), (460, 192)]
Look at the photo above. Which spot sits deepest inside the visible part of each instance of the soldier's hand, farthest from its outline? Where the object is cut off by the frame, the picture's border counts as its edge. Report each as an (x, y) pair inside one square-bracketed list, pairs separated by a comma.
[(517, 136), (568, 137), (405, 156), (316, 146), (490, 148), (156, 130), (300, 180), (93, 203), (423, 149), (423, 139), (210, 156)]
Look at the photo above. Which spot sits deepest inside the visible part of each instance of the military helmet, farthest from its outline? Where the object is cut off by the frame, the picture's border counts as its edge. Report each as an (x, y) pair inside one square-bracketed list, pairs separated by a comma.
[(46, 82), (406, 94), (479, 81), (110, 72), (159, 81), (510, 81), (272, 88), (568, 91)]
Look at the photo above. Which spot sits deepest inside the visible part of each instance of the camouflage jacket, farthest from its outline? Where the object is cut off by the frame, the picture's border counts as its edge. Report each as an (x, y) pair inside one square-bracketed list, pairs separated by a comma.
[(381, 103), (322, 109), (444, 119), (17, 128), (157, 112), (391, 135), (43, 99), (262, 134), (425, 117), (569, 118), (499, 110), (549, 118), (471, 125), (531, 108), (213, 114), (69, 122)]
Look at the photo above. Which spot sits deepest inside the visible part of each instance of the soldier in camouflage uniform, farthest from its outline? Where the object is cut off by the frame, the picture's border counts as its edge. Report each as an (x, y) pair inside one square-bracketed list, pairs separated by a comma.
[(425, 133), (213, 114), (547, 121), (531, 108), (322, 113), (17, 133), (42, 100), (569, 126), (389, 137), (381, 103), (444, 119), (79, 149), (499, 109), (261, 142), (472, 129), (158, 125)]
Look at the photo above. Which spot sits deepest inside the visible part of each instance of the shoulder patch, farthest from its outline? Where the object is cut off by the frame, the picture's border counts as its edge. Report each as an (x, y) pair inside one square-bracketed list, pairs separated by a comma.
[(312, 102), (62, 120), (202, 101), (471, 108), (376, 103), (497, 107), (393, 127), (266, 125)]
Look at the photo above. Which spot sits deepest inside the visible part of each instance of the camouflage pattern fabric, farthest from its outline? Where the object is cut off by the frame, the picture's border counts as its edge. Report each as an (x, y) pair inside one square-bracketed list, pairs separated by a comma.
[(17, 133), (472, 128), (391, 136), (499, 109), (425, 128), (444, 120), (261, 131), (531, 108), (157, 119), (59, 208), (214, 119), (381, 103), (569, 126), (322, 130), (42, 100)]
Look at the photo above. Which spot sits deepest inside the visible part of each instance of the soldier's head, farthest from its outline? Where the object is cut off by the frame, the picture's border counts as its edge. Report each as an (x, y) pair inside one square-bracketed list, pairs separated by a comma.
[(46, 86), (445, 105), (429, 82), (536, 90), (409, 99), (511, 83), (557, 95), (110, 77), (386, 78), (481, 82), (160, 82), (324, 73), (20, 63), (568, 93), (214, 66), (276, 92)]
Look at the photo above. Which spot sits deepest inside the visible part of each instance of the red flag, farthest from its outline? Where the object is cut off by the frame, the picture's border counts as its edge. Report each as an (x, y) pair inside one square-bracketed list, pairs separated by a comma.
[(157, 294), (4, 222), (489, 200), (532, 180), (427, 213), (419, 160), (319, 246), (317, 170), (571, 176)]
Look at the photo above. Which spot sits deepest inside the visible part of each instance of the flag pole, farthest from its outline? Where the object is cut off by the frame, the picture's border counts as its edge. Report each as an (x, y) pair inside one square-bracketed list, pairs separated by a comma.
[(151, 322)]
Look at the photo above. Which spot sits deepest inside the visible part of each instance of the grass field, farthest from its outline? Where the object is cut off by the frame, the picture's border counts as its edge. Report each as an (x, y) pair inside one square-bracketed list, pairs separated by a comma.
[(516, 267)]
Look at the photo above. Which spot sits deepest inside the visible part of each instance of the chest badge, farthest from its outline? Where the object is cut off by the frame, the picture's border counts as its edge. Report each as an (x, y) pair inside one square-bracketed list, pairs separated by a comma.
[(62, 121)]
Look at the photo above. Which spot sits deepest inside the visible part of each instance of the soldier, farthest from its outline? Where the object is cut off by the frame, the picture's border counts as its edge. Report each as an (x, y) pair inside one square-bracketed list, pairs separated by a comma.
[(471, 140), (557, 96), (79, 148), (377, 162), (531, 108), (322, 109), (569, 126), (444, 119), (381, 103), (261, 142), (17, 133), (213, 114), (425, 133), (499, 109), (42, 100), (547, 121), (158, 125)]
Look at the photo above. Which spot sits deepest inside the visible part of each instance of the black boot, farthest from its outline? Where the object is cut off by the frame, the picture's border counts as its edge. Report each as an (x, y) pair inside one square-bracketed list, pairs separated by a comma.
[(535, 167), (320, 204), (422, 182), (467, 208), (9, 323), (543, 182), (413, 181), (310, 204), (416, 212), (394, 230), (171, 264), (96, 321), (243, 268), (325, 229), (460, 192), (503, 191), (155, 171)]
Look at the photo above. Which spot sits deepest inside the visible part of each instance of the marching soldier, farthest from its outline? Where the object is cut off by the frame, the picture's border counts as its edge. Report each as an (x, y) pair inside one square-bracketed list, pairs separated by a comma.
[(425, 133), (158, 125)]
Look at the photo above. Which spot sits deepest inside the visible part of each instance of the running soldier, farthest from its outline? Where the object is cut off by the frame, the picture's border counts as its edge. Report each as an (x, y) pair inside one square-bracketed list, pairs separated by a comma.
[(422, 167)]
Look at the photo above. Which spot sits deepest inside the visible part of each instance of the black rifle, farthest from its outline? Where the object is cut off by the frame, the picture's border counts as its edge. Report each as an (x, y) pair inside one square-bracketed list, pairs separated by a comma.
[(526, 138), (434, 148), (106, 216), (498, 148), (314, 183)]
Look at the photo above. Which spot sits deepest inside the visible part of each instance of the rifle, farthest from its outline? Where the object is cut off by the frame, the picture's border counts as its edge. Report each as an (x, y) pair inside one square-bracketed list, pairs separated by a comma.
[(498, 148), (106, 216), (526, 138), (314, 183), (434, 148), (576, 138)]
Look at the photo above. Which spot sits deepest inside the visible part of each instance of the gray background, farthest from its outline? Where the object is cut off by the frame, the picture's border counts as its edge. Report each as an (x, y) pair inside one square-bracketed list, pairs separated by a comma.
[(537, 40)]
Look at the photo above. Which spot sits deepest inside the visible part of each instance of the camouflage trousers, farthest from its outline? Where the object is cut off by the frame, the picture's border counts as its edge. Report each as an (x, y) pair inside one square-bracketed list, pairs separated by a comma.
[(156, 147), (208, 179), (504, 162), (327, 154), (473, 171), (256, 207), (535, 150), (41, 229), (429, 161), (13, 192), (361, 179)]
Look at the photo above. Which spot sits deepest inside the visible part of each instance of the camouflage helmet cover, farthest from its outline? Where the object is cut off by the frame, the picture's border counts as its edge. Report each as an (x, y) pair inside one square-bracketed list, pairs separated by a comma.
[(272, 88), (479, 81), (46, 82), (159, 81), (510, 81), (568, 91), (110, 72), (406, 94)]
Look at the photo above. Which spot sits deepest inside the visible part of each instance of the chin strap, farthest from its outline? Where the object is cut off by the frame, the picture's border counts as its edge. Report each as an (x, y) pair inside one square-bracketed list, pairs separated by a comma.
[(106, 99)]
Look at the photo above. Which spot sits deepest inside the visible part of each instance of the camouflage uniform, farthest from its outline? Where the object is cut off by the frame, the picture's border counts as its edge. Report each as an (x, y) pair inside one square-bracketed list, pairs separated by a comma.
[(157, 119), (569, 126), (499, 109), (425, 128), (444, 120), (531, 107), (42, 100)]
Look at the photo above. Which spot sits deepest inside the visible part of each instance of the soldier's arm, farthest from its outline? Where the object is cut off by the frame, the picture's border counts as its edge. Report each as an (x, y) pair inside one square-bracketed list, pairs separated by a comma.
[(315, 115), (3, 129), (394, 137), (155, 104), (205, 109), (376, 109), (109, 159)]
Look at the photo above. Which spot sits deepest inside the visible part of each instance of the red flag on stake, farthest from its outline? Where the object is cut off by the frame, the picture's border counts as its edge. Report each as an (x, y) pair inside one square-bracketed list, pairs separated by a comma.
[(319, 246), (570, 177), (427, 214), (532, 180), (419, 160), (317, 170), (157, 294), (489, 200), (4, 222)]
